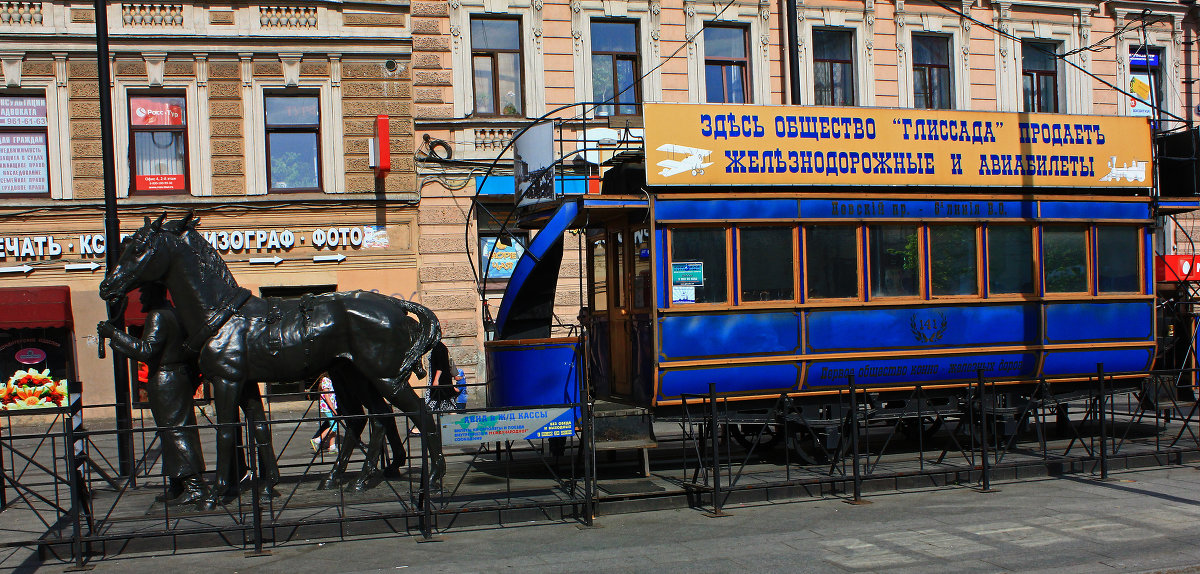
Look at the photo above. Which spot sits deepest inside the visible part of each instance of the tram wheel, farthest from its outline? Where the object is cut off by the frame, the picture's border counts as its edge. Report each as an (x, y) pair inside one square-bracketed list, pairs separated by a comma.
[(807, 446), (922, 428), (747, 434)]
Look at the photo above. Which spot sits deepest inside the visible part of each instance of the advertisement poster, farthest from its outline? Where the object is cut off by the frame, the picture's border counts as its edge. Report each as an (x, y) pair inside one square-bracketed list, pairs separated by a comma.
[(533, 165), (165, 182), (24, 163), (1139, 85), (32, 367), (474, 428), (500, 256), (20, 111), (719, 144), (156, 111)]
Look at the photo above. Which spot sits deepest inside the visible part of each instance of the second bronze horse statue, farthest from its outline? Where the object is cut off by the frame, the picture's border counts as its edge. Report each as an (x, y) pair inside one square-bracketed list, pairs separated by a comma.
[(363, 339)]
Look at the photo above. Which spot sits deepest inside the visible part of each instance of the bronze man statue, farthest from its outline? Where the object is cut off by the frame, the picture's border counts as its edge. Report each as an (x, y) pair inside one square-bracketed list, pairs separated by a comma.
[(172, 385)]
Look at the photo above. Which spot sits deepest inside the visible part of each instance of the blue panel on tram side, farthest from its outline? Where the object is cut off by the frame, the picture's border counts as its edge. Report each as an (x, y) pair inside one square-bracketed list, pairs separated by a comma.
[(935, 327), (660, 250), (1116, 321), (771, 378), (888, 208), (1084, 362), (732, 334), (915, 370), (1094, 210), (721, 209), (531, 375)]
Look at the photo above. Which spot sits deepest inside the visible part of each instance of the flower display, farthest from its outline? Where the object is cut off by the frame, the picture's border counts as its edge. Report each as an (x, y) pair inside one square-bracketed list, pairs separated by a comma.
[(32, 389)]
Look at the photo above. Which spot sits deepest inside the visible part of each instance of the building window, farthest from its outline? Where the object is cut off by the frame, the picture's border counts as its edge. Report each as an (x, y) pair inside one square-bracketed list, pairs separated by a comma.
[(1145, 81), (615, 67), (293, 142), (158, 143), (698, 266), (1039, 72), (931, 72), (726, 65), (24, 151), (833, 67), (496, 61)]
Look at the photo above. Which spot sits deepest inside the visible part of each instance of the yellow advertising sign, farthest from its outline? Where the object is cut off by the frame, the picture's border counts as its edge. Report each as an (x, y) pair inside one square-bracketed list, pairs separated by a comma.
[(717, 144)]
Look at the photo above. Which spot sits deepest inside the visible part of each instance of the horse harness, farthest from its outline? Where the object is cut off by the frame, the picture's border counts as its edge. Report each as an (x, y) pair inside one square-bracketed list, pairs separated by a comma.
[(229, 305)]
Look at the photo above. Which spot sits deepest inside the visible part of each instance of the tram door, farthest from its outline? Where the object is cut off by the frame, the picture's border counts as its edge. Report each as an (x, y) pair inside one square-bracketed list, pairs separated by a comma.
[(621, 292)]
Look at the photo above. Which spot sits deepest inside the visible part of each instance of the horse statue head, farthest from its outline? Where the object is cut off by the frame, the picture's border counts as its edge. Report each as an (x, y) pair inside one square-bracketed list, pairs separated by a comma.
[(143, 257)]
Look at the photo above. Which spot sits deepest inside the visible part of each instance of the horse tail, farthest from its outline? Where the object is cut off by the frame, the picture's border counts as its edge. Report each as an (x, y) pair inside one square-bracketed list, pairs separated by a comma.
[(430, 333)]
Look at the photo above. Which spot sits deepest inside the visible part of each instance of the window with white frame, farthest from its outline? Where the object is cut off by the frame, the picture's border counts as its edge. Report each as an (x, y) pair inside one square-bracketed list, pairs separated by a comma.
[(24, 151), (726, 64), (1039, 76), (496, 65), (293, 127), (833, 67), (615, 68), (931, 72)]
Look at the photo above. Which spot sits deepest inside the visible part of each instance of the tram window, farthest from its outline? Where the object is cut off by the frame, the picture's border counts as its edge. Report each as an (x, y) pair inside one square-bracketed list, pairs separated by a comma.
[(1117, 259), (599, 276), (1010, 259), (894, 260), (953, 260), (698, 266), (1064, 250), (765, 256), (642, 295), (831, 254)]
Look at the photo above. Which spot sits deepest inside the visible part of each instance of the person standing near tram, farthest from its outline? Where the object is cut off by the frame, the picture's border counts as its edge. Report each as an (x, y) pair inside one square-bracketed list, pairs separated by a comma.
[(172, 383)]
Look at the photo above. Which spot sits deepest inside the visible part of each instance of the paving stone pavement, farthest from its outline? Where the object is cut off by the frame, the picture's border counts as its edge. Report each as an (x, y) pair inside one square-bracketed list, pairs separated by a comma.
[(1140, 521)]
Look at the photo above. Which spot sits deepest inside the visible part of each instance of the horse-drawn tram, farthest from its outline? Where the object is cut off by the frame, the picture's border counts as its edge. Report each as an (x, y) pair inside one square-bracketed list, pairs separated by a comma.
[(778, 255)]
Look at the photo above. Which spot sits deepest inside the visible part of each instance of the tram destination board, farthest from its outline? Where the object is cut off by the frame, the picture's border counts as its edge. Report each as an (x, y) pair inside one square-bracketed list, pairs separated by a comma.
[(706, 144), (490, 426)]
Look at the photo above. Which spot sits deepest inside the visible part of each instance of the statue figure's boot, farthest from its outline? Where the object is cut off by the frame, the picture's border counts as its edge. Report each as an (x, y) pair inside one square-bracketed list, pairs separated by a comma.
[(194, 489), (174, 489)]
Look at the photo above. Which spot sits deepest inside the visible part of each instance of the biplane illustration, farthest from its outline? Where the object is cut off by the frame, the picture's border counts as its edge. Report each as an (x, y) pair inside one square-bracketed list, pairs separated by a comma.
[(694, 162), (1132, 171)]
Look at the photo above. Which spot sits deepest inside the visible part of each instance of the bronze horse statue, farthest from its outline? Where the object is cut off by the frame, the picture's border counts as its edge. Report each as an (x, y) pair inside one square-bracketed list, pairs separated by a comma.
[(363, 339)]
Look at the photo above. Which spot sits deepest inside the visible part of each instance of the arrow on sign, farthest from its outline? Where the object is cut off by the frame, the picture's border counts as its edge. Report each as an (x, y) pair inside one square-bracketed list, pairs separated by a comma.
[(271, 260), (338, 258), (90, 266), (20, 269)]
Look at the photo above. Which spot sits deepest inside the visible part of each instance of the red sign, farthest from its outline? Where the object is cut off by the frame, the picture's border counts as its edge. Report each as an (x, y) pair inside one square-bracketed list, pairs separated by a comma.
[(31, 356), (156, 111), (383, 146), (1177, 268), (159, 182)]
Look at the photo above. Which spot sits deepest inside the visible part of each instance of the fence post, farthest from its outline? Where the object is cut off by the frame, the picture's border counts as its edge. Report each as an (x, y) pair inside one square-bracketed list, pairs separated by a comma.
[(854, 430), (716, 449), (1100, 410), (426, 498), (983, 426), (74, 478), (256, 490)]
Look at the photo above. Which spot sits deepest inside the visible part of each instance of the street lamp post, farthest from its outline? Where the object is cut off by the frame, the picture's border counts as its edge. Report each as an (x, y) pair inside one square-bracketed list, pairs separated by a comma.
[(112, 239)]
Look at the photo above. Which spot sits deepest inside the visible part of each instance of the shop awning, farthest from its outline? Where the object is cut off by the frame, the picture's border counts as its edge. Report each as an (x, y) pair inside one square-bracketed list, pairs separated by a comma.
[(35, 307)]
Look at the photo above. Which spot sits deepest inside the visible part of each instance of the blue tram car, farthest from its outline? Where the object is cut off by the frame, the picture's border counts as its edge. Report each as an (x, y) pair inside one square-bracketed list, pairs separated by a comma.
[(778, 251)]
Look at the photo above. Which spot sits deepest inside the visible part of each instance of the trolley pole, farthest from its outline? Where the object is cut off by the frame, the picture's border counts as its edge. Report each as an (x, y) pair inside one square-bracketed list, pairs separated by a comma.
[(854, 430), (1100, 410)]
